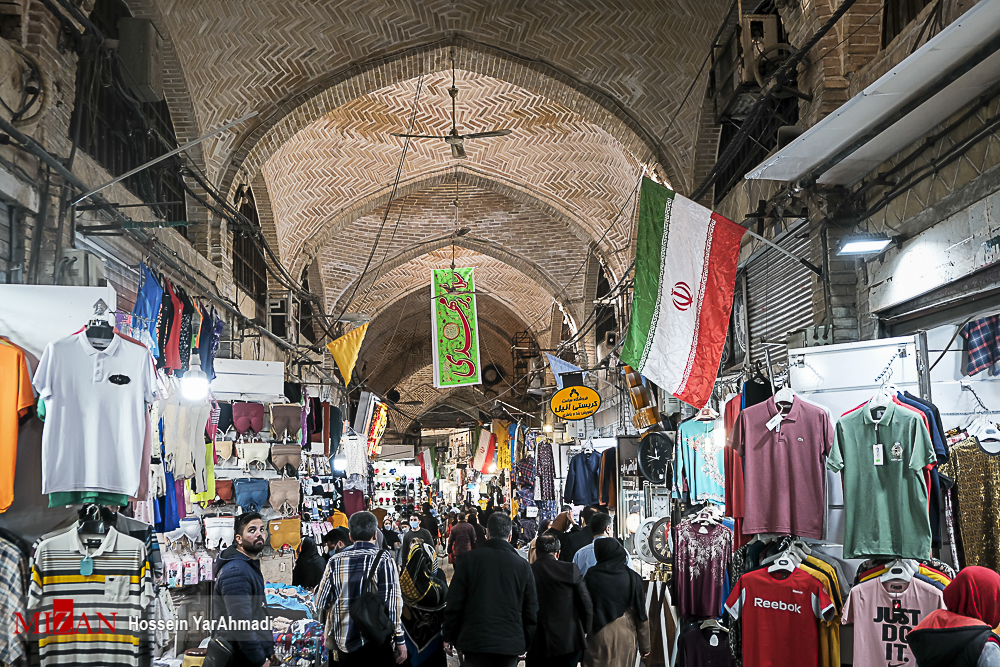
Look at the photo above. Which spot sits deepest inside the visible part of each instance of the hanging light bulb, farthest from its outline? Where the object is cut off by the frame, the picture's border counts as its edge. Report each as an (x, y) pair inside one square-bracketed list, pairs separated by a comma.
[(194, 385)]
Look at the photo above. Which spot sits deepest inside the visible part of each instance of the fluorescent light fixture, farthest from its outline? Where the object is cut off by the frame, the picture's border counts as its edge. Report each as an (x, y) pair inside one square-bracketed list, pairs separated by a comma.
[(864, 244), (194, 385), (547, 428)]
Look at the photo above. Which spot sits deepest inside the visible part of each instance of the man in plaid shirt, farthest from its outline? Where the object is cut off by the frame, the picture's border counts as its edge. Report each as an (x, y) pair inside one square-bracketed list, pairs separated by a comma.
[(342, 583)]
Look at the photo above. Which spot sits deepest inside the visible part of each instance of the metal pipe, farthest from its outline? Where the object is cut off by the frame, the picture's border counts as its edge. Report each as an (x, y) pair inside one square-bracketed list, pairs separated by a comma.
[(806, 263), (179, 149)]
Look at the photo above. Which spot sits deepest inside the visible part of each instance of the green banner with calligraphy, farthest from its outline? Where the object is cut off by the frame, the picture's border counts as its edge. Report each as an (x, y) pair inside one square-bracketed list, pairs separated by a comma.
[(455, 329)]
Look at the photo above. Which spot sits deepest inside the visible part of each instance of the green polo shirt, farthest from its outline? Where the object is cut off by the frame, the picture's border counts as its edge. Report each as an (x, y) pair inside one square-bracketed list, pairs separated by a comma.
[(885, 505)]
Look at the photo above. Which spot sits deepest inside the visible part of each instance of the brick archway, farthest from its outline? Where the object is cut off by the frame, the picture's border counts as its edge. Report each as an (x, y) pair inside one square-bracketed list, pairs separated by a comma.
[(250, 151)]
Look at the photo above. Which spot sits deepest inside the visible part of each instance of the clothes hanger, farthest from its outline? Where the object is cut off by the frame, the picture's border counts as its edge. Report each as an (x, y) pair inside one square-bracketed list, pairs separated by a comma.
[(91, 522), (785, 562), (897, 571), (714, 625), (785, 395), (98, 328)]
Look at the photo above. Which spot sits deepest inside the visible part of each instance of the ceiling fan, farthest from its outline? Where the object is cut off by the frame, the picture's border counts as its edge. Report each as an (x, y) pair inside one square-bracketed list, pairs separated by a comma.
[(453, 138)]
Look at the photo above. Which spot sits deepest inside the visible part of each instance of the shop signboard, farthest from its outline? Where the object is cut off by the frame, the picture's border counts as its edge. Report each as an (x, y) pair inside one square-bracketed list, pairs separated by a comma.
[(456, 328), (376, 428), (575, 403)]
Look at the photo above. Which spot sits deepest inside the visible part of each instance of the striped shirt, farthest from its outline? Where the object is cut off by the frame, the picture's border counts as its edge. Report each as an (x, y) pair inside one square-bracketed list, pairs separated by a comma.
[(11, 600), (342, 583), (119, 588)]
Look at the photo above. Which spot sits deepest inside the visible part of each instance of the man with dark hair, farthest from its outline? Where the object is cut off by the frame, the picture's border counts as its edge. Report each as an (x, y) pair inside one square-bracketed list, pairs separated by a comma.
[(601, 525), (473, 519), (239, 593), (344, 581), (416, 531), (462, 539), (336, 541), (492, 604), (565, 612), (572, 542)]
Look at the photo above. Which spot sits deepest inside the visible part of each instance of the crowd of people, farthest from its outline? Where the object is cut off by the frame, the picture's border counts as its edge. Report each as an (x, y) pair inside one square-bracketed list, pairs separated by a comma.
[(414, 591)]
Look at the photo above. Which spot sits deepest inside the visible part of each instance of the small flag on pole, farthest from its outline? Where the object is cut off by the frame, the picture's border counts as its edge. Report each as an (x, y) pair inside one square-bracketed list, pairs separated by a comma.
[(345, 351), (427, 470), (485, 451)]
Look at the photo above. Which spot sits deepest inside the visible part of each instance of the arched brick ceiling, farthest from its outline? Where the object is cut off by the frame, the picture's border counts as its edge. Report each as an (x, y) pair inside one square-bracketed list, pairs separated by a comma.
[(333, 166), (534, 244), (494, 278), (269, 54), (396, 354)]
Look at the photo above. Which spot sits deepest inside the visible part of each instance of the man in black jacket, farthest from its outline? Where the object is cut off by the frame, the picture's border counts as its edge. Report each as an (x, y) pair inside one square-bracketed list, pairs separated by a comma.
[(573, 542), (492, 603), (239, 595), (565, 612)]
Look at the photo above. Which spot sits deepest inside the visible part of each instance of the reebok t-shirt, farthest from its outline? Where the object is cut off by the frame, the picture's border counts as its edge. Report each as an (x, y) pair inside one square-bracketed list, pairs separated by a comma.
[(780, 617), (880, 631), (95, 420)]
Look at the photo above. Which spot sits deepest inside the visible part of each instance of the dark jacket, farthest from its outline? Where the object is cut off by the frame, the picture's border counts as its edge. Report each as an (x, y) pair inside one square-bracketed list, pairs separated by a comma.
[(944, 639), (492, 603), (239, 595), (582, 479), (573, 542), (565, 613), (480, 534), (463, 538), (309, 567)]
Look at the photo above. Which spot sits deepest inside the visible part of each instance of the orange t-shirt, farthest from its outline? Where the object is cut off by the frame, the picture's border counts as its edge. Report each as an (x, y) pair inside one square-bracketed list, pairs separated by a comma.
[(16, 396)]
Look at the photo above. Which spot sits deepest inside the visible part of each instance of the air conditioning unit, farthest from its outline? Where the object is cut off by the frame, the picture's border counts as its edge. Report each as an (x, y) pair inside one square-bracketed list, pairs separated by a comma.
[(140, 47), (82, 269), (759, 33)]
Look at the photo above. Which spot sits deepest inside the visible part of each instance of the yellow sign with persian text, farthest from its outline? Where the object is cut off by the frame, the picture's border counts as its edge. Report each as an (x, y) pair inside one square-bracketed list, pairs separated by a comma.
[(575, 403)]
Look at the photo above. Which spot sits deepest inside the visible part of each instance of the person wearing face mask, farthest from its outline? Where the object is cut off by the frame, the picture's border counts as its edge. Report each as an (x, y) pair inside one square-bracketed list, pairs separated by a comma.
[(389, 536), (239, 593), (415, 532)]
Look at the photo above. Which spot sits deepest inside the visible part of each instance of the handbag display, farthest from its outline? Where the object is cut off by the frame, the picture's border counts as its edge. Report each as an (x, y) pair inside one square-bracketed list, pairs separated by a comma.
[(286, 421), (285, 495), (194, 657), (248, 417), (224, 490), (369, 612), (277, 568), (253, 454), (285, 532), (251, 494), (223, 450), (287, 455)]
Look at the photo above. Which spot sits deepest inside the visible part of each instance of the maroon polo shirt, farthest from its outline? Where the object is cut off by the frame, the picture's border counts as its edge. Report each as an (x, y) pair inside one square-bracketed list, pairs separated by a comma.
[(783, 468)]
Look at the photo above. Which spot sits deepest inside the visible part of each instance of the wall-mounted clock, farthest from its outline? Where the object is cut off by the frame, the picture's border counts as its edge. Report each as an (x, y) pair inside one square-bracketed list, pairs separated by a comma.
[(659, 540), (656, 453), (641, 541)]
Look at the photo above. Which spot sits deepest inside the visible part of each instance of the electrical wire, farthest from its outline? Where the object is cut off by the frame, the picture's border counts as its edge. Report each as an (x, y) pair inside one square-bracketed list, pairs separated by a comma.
[(392, 195)]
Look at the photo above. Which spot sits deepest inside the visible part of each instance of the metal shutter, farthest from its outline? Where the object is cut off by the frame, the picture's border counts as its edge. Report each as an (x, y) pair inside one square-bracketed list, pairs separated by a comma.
[(779, 298)]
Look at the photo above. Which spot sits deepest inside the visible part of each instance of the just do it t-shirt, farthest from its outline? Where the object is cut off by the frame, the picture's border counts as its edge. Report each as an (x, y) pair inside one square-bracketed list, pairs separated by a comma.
[(879, 631), (780, 617)]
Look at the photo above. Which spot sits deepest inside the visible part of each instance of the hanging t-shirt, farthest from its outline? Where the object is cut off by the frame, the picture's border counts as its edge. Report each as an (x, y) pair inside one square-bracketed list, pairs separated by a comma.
[(699, 469), (15, 399), (704, 648), (880, 631), (703, 556), (885, 493), (783, 474), (780, 617), (114, 585), (96, 414)]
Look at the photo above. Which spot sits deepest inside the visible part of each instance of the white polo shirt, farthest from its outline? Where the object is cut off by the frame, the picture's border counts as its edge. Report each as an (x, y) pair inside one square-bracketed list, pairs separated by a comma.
[(95, 414)]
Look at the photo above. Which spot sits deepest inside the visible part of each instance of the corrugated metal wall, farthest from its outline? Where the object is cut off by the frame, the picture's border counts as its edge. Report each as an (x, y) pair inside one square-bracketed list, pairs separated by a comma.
[(779, 298)]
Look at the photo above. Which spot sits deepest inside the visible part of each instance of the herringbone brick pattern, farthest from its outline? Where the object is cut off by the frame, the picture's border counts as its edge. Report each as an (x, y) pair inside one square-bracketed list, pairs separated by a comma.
[(531, 242), (330, 169), (637, 56)]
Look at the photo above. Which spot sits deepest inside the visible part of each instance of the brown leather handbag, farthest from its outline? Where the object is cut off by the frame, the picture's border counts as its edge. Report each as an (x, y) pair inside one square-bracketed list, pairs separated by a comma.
[(224, 490)]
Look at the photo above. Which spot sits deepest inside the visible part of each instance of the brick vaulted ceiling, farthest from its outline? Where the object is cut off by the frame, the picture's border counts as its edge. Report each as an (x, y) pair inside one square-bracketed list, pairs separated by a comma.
[(592, 91), (334, 169)]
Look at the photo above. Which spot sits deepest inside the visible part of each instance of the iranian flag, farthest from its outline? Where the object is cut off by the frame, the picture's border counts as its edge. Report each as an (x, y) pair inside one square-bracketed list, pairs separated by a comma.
[(426, 459), (685, 271), (485, 451)]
